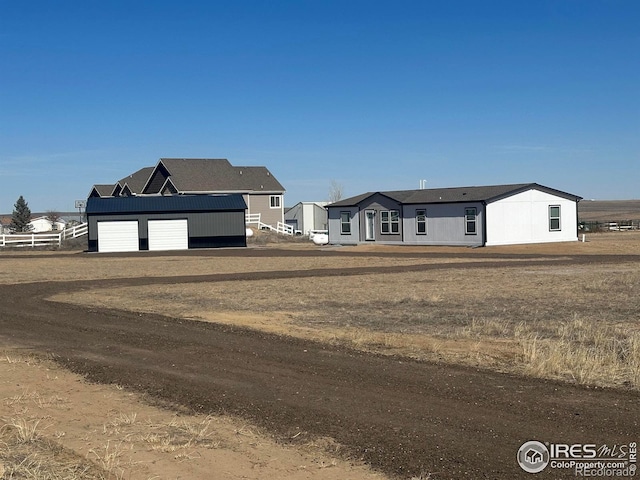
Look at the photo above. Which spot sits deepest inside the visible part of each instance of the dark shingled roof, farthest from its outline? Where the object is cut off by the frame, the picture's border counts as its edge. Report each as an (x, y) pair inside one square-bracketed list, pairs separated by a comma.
[(218, 175), (165, 204), (136, 181), (104, 190), (453, 195)]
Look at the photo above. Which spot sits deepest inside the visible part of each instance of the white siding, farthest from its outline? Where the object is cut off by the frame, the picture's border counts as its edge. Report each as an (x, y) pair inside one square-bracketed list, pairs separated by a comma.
[(524, 218), (168, 234), (307, 218), (42, 224), (118, 236)]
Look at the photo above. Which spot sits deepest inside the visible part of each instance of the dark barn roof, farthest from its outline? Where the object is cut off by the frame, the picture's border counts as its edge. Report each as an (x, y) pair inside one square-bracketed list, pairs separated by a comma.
[(165, 204)]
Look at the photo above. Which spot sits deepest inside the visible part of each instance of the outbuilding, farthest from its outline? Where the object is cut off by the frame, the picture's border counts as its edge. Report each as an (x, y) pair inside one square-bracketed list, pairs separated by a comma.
[(175, 222)]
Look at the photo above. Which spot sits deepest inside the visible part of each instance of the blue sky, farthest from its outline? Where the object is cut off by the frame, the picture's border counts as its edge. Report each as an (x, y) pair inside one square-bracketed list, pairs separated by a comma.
[(376, 95)]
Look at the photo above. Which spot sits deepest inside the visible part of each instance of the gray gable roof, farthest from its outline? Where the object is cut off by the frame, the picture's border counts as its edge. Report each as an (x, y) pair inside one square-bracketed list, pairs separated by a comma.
[(454, 195), (103, 190), (218, 175), (136, 181)]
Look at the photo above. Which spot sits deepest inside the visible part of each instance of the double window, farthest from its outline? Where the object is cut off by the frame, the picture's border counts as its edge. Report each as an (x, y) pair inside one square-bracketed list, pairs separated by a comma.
[(274, 201), (345, 223), (470, 221), (554, 218), (389, 221), (421, 222)]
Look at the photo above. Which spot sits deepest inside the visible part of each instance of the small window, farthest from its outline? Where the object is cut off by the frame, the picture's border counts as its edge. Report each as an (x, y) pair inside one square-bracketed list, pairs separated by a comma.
[(421, 222), (390, 221), (470, 221), (345, 223), (274, 201), (554, 218)]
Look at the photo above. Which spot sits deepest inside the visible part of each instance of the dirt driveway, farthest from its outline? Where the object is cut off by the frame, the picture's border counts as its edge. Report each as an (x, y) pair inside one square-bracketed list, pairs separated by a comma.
[(403, 417)]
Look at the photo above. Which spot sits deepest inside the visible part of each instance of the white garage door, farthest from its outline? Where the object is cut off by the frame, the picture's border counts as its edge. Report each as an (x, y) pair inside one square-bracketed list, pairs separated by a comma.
[(168, 235), (118, 236)]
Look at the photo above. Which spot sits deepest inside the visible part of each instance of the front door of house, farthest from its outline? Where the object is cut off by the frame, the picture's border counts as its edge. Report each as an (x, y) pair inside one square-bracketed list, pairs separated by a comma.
[(369, 225)]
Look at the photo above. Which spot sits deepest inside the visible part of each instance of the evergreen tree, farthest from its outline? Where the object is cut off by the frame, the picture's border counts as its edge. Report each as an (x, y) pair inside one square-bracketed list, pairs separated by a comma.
[(21, 216)]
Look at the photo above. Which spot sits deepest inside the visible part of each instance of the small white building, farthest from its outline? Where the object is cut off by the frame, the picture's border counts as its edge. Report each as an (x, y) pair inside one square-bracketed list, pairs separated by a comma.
[(43, 224), (307, 216)]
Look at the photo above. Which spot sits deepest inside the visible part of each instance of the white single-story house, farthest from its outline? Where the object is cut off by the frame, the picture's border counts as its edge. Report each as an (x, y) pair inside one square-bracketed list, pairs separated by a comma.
[(466, 216)]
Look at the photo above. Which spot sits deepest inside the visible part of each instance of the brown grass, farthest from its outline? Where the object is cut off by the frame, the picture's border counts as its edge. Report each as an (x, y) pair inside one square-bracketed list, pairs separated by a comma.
[(577, 323), (25, 454)]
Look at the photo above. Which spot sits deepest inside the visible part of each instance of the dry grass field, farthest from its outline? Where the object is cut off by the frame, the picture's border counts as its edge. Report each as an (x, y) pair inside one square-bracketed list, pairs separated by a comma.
[(609, 210), (578, 323)]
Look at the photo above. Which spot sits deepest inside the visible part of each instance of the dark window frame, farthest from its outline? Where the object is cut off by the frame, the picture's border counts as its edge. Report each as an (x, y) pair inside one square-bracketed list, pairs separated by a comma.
[(468, 222), (555, 223), (421, 212), (345, 227), (277, 201)]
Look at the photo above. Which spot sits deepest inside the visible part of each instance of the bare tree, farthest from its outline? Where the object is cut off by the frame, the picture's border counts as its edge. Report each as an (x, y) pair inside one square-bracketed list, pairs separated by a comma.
[(335, 191), (53, 217)]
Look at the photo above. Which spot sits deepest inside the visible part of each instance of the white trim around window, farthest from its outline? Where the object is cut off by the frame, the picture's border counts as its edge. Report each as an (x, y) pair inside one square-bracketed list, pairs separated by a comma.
[(389, 222), (345, 223), (470, 221), (275, 201)]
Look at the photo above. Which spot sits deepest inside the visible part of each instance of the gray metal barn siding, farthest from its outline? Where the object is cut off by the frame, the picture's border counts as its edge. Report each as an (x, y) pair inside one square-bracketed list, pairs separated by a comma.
[(213, 220)]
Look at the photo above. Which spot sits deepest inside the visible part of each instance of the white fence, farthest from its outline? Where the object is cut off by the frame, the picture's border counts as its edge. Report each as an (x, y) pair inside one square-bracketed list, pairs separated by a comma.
[(255, 219), (42, 239)]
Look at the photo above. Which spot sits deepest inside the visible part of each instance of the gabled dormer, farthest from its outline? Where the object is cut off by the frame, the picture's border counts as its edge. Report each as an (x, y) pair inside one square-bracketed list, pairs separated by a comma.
[(156, 180)]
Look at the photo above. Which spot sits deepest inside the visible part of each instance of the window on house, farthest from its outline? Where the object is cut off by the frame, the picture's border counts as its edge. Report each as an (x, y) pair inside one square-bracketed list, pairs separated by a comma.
[(554, 218), (470, 221), (390, 221), (421, 222), (274, 201), (345, 223)]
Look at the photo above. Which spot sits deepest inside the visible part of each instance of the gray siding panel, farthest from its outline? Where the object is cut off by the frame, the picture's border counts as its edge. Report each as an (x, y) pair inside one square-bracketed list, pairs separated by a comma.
[(319, 218), (216, 224), (445, 225), (335, 235), (379, 203)]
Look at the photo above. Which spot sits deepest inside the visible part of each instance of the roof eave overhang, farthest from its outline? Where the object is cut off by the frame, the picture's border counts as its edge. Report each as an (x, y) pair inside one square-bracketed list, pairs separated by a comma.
[(534, 186)]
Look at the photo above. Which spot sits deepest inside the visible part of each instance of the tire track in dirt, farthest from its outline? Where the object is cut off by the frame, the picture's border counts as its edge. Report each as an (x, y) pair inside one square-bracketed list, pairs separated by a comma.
[(401, 416)]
